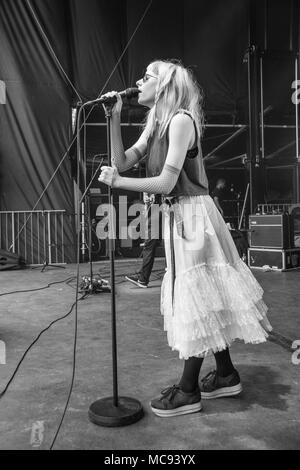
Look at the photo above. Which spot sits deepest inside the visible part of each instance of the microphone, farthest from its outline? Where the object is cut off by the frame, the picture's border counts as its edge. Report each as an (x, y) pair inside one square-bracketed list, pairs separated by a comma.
[(128, 93)]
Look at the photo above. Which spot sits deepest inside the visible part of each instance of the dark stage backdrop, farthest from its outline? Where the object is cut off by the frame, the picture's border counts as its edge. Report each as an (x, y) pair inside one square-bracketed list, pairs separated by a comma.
[(34, 123), (88, 37), (209, 36)]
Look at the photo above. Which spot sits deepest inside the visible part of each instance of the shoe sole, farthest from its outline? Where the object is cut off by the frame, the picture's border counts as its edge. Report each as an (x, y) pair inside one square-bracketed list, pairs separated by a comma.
[(136, 283), (182, 410), (223, 392)]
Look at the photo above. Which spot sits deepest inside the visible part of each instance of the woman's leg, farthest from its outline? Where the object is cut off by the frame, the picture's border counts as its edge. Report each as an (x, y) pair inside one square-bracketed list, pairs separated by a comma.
[(192, 366), (190, 376), (182, 398), (223, 362), (223, 382)]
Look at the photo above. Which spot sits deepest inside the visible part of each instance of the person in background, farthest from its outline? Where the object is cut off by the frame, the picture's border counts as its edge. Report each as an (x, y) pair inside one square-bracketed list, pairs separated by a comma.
[(141, 279)]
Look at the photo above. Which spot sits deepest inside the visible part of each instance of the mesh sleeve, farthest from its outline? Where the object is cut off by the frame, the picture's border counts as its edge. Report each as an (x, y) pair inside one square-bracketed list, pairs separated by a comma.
[(125, 160), (121, 159), (162, 184)]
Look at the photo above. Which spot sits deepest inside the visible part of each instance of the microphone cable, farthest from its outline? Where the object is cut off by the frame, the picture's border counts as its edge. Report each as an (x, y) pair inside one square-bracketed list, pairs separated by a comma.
[(38, 336), (76, 308), (48, 44), (75, 304), (69, 279)]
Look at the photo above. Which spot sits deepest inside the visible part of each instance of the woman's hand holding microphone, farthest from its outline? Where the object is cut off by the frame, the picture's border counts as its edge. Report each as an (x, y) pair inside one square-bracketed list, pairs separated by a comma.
[(115, 107), (109, 176)]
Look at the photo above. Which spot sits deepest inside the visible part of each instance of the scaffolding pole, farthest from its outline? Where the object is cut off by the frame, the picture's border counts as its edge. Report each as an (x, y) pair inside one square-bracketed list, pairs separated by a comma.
[(243, 155), (220, 146), (297, 136)]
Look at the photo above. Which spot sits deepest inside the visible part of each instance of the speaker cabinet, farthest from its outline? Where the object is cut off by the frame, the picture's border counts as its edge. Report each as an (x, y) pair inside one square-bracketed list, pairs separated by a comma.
[(270, 231), (277, 260)]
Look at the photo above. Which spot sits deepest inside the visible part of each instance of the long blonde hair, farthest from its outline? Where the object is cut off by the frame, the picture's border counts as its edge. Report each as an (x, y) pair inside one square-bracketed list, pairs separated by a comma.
[(176, 89)]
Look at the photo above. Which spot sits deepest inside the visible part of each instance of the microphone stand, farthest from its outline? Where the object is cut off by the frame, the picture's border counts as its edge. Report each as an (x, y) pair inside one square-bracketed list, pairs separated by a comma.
[(115, 410), (91, 284)]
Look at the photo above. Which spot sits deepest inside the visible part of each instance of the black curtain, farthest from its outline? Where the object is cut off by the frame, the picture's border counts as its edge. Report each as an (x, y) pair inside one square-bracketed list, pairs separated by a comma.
[(211, 37), (35, 120), (97, 39)]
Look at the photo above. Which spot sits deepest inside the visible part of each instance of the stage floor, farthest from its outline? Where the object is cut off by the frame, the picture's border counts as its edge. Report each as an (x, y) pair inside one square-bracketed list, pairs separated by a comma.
[(265, 416)]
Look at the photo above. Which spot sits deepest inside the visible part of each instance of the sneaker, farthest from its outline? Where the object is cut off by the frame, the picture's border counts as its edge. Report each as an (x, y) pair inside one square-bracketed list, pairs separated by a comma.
[(214, 386), (135, 280), (175, 402)]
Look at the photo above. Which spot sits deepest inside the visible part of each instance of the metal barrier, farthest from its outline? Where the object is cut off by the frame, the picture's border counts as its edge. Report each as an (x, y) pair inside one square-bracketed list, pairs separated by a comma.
[(36, 236)]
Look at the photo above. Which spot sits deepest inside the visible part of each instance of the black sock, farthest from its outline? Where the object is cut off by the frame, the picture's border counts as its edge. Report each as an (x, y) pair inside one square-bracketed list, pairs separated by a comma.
[(190, 375), (224, 364)]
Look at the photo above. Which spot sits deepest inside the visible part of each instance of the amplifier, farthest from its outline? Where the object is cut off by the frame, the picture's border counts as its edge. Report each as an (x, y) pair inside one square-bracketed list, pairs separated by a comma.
[(278, 260), (270, 231)]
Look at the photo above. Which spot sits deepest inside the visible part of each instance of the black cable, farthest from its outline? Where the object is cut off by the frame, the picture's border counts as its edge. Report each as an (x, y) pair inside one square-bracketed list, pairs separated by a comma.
[(30, 346), (73, 364), (50, 48), (75, 304), (69, 279), (75, 341), (41, 332), (69, 284)]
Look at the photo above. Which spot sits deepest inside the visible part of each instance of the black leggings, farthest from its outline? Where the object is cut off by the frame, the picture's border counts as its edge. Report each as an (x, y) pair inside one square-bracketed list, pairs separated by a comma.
[(192, 366)]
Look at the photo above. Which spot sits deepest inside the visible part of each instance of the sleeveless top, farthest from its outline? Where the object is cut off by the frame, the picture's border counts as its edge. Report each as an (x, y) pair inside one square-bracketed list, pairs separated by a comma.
[(192, 180)]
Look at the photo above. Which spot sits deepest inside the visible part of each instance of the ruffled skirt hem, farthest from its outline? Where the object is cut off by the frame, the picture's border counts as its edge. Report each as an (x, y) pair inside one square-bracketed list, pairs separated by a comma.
[(213, 305)]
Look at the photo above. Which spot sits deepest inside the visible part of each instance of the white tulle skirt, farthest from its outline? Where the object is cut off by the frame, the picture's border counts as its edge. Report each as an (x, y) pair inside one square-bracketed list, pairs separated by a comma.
[(215, 298)]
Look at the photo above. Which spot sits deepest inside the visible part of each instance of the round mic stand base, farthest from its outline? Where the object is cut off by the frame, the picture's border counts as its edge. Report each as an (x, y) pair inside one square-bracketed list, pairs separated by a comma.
[(104, 412), (114, 411)]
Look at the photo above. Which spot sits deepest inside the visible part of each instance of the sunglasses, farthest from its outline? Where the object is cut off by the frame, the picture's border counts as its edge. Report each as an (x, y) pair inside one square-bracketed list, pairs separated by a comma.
[(147, 76)]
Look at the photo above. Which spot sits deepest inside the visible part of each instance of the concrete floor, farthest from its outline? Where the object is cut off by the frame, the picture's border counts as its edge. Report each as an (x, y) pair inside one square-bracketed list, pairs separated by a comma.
[(265, 416)]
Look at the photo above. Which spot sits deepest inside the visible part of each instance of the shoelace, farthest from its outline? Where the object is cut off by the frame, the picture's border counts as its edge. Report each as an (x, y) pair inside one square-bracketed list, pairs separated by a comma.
[(209, 376), (170, 391)]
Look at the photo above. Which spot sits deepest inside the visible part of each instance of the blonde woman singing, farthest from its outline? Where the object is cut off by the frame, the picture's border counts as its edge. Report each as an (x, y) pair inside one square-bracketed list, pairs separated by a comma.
[(209, 297)]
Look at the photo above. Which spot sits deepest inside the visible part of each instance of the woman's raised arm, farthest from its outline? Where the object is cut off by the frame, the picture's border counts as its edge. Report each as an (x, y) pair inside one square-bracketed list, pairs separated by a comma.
[(181, 135)]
